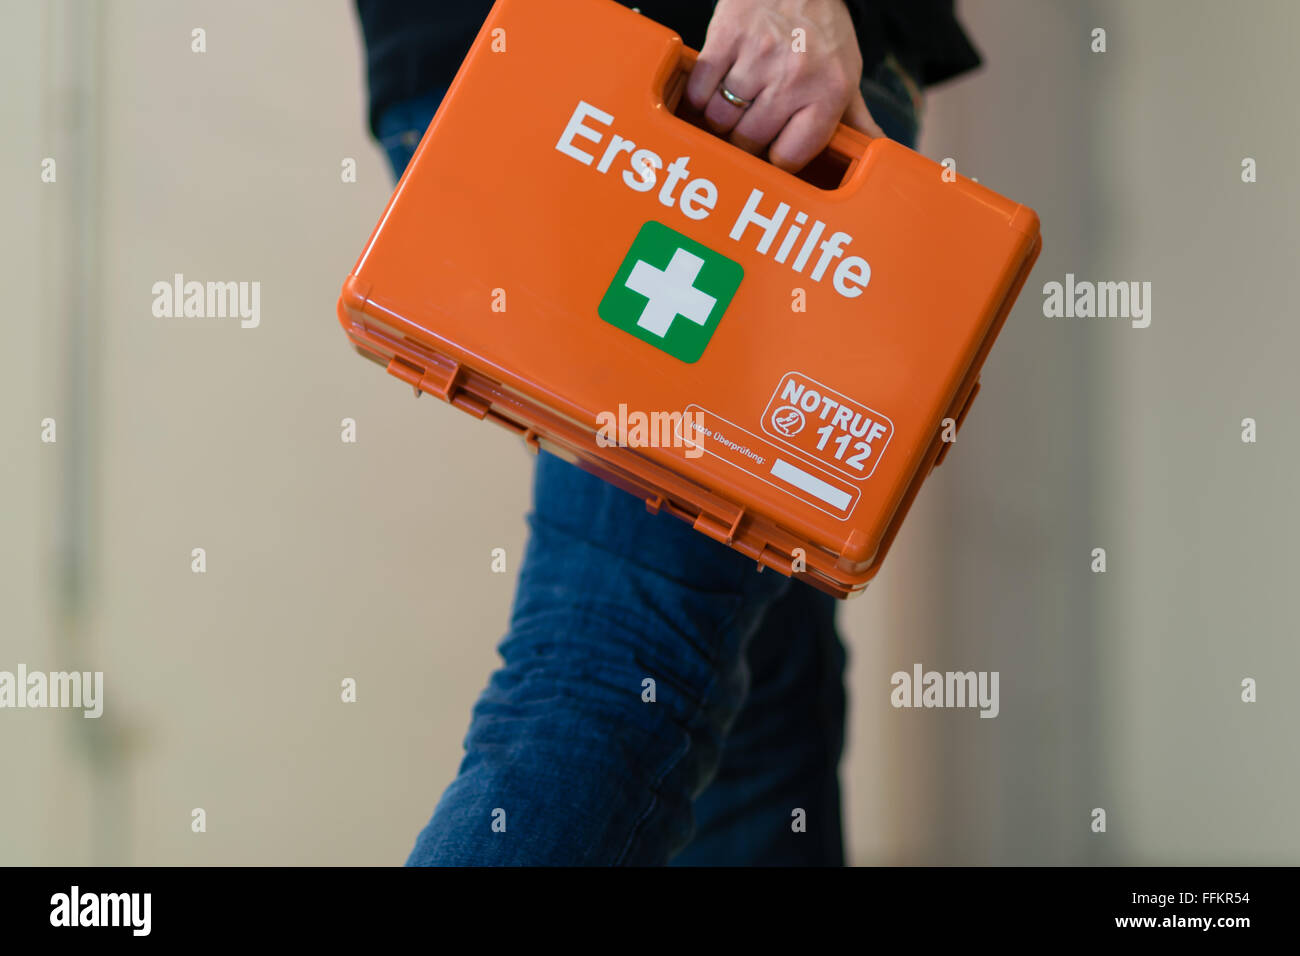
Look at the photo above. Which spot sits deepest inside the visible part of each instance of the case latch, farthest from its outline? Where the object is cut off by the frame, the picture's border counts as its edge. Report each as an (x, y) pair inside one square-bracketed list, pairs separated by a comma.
[(719, 528), (776, 560), (441, 381)]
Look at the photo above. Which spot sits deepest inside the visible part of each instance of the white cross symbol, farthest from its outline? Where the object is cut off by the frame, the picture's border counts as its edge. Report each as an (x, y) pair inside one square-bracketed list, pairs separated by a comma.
[(670, 292)]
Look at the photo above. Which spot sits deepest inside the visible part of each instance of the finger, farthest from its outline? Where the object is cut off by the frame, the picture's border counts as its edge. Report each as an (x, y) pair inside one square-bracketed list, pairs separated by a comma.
[(721, 114), (806, 135), (717, 57), (859, 117), (761, 123)]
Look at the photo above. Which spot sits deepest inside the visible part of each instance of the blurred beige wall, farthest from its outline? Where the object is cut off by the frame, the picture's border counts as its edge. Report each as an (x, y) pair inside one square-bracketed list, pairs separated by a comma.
[(1122, 690), (328, 560)]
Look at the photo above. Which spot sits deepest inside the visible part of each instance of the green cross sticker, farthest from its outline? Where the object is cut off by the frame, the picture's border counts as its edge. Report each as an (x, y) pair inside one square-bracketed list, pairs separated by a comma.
[(671, 291)]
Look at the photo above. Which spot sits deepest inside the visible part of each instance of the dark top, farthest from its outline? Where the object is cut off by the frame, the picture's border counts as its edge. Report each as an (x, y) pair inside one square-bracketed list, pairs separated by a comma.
[(416, 46)]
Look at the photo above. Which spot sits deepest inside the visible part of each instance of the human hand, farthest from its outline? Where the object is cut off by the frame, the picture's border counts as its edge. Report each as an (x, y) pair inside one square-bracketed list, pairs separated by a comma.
[(790, 100)]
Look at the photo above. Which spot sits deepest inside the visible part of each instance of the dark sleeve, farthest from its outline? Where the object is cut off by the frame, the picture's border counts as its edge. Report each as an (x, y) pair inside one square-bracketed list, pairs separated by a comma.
[(413, 47), (924, 35)]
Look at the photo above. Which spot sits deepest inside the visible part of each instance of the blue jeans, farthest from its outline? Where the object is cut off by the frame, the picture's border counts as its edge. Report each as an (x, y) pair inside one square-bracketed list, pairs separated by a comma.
[(659, 700)]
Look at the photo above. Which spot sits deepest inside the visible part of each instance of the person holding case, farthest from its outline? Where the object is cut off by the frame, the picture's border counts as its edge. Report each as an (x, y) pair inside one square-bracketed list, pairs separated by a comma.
[(744, 736)]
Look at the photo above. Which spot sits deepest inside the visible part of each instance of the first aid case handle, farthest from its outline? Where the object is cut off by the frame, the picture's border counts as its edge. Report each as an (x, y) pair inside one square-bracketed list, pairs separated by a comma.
[(847, 143)]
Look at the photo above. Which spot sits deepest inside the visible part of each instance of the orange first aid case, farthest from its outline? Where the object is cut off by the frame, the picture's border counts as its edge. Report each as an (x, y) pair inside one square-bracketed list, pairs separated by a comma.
[(774, 358)]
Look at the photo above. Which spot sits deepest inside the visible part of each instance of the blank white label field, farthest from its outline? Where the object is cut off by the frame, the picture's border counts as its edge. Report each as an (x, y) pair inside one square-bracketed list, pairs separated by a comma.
[(812, 484)]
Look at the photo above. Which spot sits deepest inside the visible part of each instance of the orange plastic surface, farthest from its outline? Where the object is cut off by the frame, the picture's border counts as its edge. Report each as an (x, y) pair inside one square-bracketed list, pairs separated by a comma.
[(483, 284)]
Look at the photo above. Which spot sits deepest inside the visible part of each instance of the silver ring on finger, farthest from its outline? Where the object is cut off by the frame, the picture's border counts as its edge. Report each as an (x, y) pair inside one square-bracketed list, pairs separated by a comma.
[(738, 101)]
